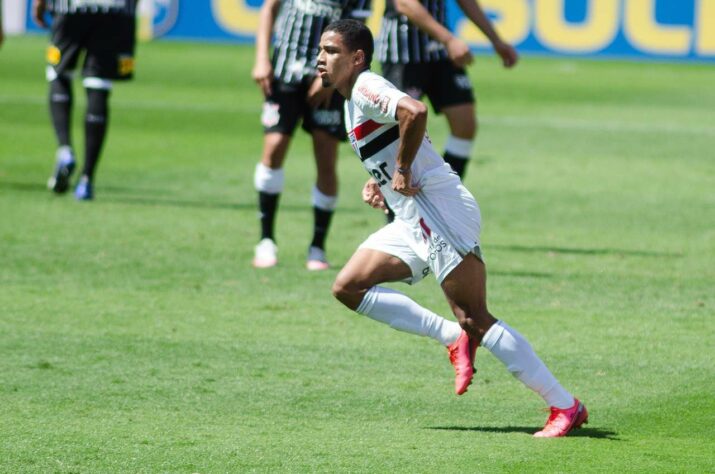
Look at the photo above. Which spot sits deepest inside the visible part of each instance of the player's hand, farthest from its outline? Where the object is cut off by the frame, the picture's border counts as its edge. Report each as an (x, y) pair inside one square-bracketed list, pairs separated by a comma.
[(38, 12), (319, 96), (402, 183), (372, 196), (507, 53), (458, 52), (263, 75)]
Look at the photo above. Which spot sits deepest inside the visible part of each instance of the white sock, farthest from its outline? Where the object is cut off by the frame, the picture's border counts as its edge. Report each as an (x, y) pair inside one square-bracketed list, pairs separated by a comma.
[(516, 354), (401, 313)]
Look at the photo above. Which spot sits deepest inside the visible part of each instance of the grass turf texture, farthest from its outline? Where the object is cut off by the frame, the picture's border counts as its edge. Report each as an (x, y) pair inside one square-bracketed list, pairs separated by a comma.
[(136, 337)]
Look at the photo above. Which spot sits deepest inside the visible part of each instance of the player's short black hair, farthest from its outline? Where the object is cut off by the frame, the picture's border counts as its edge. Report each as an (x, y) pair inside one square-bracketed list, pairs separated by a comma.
[(355, 36)]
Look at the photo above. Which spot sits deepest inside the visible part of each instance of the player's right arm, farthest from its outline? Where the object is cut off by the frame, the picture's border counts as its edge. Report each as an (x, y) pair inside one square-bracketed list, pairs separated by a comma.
[(412, 119), (457, 50), (476, 15), (263, 69), (38, 12)]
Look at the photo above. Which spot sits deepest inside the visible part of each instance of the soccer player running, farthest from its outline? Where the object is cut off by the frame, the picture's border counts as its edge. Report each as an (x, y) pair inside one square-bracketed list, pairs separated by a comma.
[(436, 229), (292, 92), (105, 30), (421, 56)]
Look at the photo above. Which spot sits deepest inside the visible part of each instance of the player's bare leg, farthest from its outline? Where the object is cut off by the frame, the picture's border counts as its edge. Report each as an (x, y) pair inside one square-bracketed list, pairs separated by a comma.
[(325, 196), (356, 286), (465, 289), (269, 182), (463, 126)]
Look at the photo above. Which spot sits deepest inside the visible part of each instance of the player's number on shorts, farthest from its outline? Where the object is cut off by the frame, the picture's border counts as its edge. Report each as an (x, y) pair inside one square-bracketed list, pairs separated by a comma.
[(381, 175)]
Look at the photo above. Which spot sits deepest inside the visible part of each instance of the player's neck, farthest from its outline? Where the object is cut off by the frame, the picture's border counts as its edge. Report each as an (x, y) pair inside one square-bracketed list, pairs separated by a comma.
[(347, 92)]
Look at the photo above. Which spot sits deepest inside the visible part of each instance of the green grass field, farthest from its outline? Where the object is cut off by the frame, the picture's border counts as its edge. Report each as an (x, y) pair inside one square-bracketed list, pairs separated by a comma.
[(135, 336)]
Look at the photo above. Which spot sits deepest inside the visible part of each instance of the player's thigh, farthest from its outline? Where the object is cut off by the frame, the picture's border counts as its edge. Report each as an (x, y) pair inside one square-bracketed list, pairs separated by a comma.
[(369, 267), (462, 120), (450, 86), (66, 43), (275, 149), (110, 47), (395, 252)]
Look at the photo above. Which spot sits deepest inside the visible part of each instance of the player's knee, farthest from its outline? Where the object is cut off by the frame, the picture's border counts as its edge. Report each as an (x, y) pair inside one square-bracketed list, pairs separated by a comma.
[(97, 103), (347, 291), (324, 201), (268, 180)]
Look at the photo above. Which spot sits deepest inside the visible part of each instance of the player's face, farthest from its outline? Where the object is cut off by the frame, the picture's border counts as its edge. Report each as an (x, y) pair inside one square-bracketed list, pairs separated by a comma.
[(335, 62)]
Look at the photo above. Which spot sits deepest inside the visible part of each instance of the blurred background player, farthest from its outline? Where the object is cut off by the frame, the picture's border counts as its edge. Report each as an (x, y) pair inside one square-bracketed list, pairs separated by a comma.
[(105, 31), (292, 92), (419, 55)]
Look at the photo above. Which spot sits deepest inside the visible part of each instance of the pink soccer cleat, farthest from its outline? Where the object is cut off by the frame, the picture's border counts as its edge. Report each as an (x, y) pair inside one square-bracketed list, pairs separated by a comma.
[(316, 259), (461, 355), (563, 420), (266, 254)]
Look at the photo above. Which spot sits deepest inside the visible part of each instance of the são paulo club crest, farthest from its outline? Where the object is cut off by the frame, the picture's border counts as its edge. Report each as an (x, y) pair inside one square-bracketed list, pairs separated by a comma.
[(157, 17)]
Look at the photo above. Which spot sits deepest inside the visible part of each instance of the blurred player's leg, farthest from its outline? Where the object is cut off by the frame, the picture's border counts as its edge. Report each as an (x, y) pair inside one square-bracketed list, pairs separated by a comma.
[(325, 196), (60, 102), (463, 129), (269, 182), (95, 131)]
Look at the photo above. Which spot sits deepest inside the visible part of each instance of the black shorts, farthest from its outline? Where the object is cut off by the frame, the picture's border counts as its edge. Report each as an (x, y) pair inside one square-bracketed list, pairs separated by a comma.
[(287, 104), (107, 38), (444, 83)]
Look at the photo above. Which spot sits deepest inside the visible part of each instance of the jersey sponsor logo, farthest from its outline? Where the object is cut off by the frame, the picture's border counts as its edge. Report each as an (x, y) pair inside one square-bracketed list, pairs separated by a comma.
[(462, 82), (125, 65), (270, 115), (326, 117), (331, 10), (54, 55), (382, 101)]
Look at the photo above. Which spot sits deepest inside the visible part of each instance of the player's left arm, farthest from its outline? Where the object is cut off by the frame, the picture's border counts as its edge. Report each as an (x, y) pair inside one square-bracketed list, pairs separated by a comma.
[(38, 12), (412, 119), (474, 12)]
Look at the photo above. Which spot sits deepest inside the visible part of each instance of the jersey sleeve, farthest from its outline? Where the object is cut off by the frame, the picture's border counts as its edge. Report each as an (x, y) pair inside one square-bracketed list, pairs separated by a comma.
[(358, 9), (377, 98)]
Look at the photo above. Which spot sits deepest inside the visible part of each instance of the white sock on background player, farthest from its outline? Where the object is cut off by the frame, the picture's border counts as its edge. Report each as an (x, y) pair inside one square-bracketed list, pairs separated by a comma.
[(402, 313), (517, 355)]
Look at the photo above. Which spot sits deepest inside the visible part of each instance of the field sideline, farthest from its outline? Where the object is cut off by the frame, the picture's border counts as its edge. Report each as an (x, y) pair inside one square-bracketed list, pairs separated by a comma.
[(135, 336)]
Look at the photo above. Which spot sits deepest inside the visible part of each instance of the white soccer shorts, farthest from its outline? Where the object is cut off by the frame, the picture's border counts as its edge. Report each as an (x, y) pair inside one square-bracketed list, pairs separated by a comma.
[(447, 231)]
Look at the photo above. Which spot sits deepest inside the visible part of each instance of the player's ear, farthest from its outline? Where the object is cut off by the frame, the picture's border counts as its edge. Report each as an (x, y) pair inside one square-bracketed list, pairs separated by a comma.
[(359, 57)]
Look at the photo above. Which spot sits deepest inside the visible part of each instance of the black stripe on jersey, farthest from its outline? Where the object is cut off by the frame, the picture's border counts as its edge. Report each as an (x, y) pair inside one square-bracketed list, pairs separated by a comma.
[(379, 142), (297, 33), (400, 41)]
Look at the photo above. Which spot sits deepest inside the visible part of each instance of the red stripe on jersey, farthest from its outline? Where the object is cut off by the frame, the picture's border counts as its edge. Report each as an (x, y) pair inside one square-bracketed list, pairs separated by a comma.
[(365, 129), (425, 229)]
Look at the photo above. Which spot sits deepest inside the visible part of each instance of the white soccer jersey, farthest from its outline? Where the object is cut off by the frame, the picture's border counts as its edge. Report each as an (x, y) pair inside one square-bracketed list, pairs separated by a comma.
[(444, 210), (370, 119)]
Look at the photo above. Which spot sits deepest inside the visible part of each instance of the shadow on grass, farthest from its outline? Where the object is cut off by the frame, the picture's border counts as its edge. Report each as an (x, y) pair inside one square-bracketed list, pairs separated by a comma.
[(156, 197), (581, 251), (579, 433)]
